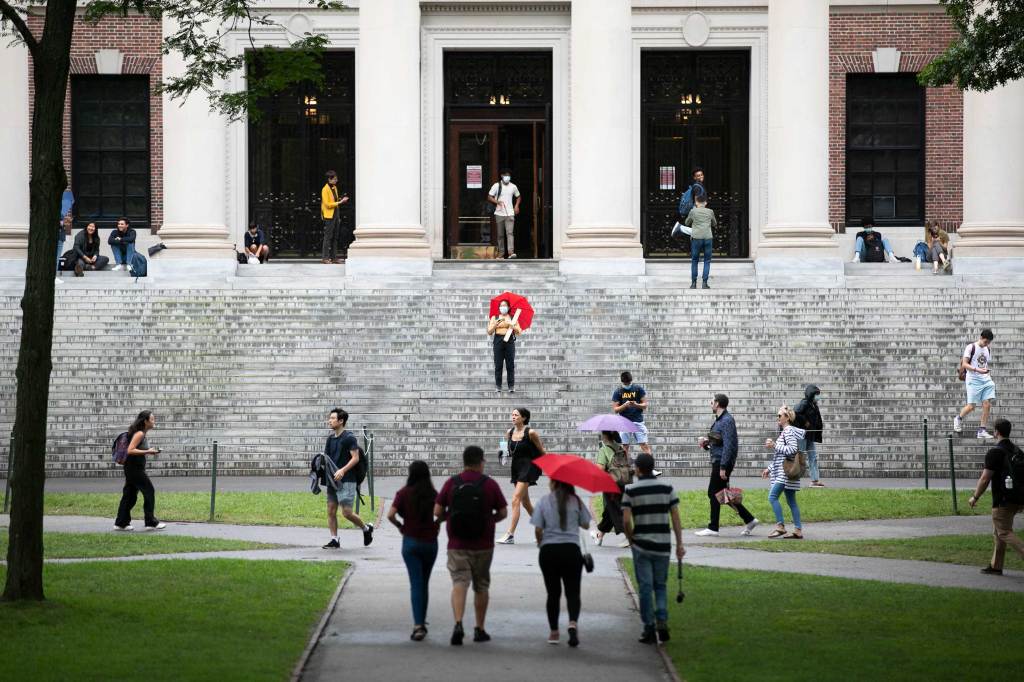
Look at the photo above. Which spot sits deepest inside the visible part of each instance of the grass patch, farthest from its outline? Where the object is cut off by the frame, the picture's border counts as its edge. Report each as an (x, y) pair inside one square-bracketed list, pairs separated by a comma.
[(253, 508), (828, 504), (210, 619), (969, 550), (98, 545), (752, 625)]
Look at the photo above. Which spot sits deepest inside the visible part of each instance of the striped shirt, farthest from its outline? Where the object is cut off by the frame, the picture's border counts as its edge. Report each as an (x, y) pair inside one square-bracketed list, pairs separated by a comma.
[(785, 447), (649, 500)]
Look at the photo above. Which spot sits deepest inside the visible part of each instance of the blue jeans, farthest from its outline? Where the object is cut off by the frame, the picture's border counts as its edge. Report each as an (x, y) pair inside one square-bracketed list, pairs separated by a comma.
[(123, 253), (811, 448), (858, 247), (419, 557), (651, 579), (773, 498), (697, 246)]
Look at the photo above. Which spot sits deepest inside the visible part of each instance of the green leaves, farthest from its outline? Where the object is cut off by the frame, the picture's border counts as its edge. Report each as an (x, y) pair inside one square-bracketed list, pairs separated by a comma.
[(990, 50)]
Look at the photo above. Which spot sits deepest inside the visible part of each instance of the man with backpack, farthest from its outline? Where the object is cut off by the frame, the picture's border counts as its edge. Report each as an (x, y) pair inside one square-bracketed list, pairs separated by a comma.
[(871, 247), (722, 443), (343, 449), (976, 374), (472, 504), (808, 418), (1004, 468)]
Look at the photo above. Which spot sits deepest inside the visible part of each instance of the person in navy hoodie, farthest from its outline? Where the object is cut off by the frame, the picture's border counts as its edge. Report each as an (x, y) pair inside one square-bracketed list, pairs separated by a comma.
[(122, 243)]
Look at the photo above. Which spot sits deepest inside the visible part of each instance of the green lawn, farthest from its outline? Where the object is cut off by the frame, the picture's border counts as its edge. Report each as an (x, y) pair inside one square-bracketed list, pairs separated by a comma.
[(969, 550), (829, 504), (210, 619), (96, 545), (255, 508), (752, 625)]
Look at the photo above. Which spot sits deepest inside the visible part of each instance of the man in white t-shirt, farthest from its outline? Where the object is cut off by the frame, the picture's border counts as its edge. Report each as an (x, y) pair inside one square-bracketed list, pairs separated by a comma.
[(505, 196), (981, 389)]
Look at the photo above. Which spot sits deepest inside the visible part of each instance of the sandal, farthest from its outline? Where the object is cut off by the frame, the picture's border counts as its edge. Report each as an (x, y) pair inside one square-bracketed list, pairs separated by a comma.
[(418, 633), (795, 535), (777, 533)]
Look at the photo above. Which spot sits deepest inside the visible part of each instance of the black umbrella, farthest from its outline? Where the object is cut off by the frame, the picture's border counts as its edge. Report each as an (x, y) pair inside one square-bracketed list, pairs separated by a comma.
[(680, 595)]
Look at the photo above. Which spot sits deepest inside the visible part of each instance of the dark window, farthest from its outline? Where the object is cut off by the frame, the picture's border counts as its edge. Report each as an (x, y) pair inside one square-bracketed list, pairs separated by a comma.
[(110, 149), (884, 149)]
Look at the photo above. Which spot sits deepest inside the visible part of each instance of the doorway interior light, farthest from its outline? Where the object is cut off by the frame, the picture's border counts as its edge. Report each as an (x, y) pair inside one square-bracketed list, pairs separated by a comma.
[(310, 102), (690, 107), (499, 100)]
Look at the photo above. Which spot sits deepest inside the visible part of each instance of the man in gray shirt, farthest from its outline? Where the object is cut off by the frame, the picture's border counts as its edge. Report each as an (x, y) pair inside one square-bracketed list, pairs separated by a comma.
[(702, 220)]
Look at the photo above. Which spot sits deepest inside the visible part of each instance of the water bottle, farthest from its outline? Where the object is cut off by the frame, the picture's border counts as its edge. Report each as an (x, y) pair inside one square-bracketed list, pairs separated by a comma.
[(502, 451), (1008, 483)]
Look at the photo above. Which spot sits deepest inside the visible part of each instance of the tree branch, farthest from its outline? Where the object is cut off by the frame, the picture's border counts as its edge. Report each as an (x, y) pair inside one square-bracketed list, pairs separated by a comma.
[(12, 16)]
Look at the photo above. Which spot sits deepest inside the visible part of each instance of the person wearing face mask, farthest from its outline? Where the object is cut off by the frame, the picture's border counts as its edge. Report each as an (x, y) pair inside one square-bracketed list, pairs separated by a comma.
[(808, 418), (506, 198), (504, 351), (871, 247)]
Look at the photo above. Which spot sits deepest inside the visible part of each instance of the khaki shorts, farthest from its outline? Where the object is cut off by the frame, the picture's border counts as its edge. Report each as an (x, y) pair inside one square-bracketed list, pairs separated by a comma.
[(471, 566)]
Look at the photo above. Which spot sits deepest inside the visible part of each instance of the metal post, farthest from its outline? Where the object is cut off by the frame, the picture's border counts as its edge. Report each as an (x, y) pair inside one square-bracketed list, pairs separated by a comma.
[(7, 478), (926, 453), (952, 474), (213, 482), (370, 465)]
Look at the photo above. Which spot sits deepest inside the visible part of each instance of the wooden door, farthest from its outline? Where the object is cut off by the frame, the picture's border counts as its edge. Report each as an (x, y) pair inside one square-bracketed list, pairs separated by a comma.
[(472, 169)]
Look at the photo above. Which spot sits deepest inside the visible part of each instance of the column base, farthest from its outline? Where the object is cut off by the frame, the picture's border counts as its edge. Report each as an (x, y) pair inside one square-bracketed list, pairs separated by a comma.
[(788, 271), (971, 265), (11, 265), (389, 250), (602, 250), (196, 241)]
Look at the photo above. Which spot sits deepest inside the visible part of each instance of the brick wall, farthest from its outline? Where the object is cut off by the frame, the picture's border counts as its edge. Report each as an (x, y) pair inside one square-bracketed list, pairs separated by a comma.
[(138, 39), (919, 36)]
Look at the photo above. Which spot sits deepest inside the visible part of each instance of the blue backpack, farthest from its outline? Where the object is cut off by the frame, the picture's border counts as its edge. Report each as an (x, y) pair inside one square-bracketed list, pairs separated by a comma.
[(686, 202), (138, 265)]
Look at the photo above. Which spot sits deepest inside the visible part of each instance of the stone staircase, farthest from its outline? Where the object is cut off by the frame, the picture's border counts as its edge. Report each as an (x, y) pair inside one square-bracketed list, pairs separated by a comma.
[(257, 362)]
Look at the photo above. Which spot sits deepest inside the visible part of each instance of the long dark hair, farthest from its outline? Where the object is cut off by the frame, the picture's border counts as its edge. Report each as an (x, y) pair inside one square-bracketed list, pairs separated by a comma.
[(422, 488), (562, 492), (140, 422)]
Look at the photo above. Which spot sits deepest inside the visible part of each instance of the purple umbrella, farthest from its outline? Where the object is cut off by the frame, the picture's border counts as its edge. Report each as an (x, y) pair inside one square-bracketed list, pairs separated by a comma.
[(608, 422)]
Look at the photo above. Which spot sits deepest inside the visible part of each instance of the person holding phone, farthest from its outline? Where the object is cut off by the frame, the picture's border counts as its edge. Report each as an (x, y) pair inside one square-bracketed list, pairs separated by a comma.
[(135, 478), (330, 200)]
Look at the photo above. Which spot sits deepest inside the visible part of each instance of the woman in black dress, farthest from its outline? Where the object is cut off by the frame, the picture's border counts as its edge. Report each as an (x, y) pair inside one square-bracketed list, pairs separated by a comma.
[(524, 446)]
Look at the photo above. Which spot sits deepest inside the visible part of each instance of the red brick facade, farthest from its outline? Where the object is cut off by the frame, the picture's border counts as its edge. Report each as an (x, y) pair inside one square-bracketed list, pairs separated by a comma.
[(138, 39), (919, 36)]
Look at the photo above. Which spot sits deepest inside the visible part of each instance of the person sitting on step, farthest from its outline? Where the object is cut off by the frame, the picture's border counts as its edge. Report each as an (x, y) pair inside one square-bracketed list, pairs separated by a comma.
[(256, 244), (122, 243), (871, 246), (86, 253)]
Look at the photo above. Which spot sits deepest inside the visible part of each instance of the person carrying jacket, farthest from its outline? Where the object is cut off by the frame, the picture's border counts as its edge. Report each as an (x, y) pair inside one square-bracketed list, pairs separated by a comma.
[(808, 418), (722, 443)]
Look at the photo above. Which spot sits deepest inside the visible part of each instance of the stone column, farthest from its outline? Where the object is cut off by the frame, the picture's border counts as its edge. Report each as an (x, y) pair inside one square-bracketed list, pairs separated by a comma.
[(991, 239), (798, 238), (195, 184), (389, 237), (601, 238), (14, 150)]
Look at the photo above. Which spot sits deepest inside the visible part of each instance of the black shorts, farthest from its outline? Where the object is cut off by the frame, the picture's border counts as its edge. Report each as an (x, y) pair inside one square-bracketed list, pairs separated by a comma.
[(525, 471)]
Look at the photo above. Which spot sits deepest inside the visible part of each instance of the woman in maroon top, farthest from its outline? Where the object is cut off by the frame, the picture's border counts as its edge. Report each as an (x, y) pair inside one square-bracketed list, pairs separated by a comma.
[(415, 505)]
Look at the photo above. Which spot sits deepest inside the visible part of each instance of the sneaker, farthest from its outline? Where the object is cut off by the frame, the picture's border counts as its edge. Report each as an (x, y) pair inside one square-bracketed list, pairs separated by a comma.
[(507, 539), (693, 284), (749, 528), (856, 258), (160, 525), (707, 533), (368, 535), (333, 544), (984, 435), (480, 635), (988, 570), (124, 529), (511, 255), (511, 390), (656, 473), (457, 635), (574, 639), (648, 636), (553, 639), (624, 544), (58, 280), (704, 285), (498, 390), (817, 484), (958, 424), (662, 629)]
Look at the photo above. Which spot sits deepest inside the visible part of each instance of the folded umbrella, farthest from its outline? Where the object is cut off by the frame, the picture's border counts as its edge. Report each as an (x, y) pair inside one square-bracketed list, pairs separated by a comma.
[(575, 470), (608, 422)]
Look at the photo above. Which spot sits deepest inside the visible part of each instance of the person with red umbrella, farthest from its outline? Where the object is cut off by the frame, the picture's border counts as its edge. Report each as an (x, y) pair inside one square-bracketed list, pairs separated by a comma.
[(510, 314)]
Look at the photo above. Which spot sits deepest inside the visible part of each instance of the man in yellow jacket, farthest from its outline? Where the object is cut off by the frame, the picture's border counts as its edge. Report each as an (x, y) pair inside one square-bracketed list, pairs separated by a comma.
[(329, 202)]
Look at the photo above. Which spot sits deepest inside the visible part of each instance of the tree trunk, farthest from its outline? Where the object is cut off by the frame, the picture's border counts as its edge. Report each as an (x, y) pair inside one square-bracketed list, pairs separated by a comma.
[(51, 60)]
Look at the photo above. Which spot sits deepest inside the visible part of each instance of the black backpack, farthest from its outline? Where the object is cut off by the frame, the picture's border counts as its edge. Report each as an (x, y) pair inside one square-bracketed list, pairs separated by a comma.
[(874, 249), (1015, 468), (361, 467), (468, 516)]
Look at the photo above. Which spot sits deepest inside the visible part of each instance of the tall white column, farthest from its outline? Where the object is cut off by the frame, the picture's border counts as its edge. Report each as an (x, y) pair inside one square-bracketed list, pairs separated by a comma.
[(195, 183), (601, 237), (14, 150), (798, 238), (991, 238), (389, 237)]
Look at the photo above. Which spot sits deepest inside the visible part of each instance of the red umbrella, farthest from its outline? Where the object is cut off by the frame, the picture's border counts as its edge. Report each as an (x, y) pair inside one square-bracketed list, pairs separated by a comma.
[(575, 470), (515, 303)]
